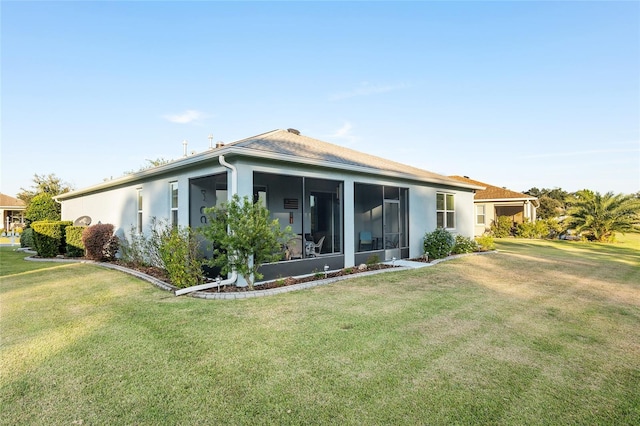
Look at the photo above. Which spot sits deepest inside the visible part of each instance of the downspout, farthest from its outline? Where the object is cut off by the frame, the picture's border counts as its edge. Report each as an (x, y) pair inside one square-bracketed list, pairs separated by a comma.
[(234, 174), (234, 275)]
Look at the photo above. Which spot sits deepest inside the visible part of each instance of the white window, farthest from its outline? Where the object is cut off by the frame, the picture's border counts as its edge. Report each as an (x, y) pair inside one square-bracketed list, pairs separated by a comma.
[(173, 192), (445, 211), (139, 211), (480, 215)]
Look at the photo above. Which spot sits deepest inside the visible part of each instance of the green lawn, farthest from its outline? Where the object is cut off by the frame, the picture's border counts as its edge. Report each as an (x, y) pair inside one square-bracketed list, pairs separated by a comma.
[(541, 333)]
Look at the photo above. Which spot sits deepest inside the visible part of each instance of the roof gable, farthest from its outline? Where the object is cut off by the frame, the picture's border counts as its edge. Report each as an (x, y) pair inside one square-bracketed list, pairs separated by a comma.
[(492, 192)]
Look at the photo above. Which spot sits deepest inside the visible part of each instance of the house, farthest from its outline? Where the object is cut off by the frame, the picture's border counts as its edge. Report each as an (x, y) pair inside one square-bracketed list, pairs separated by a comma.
[(494, 201), (12, 212), (358, 204)]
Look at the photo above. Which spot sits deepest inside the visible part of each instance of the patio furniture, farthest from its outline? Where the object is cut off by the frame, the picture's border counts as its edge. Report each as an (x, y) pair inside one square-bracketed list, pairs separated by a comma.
[(317, 248), (294, 248), (366, 241)]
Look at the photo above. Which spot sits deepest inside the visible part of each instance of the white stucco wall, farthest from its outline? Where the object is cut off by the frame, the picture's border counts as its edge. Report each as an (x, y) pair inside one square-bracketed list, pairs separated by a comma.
[(119, 205)]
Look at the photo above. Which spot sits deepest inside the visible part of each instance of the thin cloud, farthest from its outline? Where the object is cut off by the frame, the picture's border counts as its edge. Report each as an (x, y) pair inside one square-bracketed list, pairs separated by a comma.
[(189, 116), (577, 153), (366, 89), (345, 133)]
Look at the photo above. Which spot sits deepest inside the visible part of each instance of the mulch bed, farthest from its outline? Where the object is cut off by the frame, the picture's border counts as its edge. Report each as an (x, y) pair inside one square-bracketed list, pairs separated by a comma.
[(293, 280), (161, 275)]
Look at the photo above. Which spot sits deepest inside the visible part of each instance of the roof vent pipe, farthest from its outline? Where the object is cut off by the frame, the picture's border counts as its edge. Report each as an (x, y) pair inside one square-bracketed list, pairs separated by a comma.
[(184, 146), (294, 131), (210, 141)]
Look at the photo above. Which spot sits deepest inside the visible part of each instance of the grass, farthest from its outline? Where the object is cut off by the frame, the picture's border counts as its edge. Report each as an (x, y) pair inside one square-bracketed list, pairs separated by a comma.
[(545, 332)]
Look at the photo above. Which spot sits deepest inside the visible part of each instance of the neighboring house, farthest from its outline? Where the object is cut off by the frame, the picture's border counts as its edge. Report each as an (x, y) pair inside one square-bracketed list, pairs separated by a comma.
[(494, 201), (358, 204), (12, 212)]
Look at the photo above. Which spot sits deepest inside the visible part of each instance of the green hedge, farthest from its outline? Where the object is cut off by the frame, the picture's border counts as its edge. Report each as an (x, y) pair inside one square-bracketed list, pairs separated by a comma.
[(75, 246), (26, 239), (49, 238)]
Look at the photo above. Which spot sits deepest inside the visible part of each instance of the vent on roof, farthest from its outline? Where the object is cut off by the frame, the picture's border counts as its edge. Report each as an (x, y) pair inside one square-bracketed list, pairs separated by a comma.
[(294, 131), (219, 144)]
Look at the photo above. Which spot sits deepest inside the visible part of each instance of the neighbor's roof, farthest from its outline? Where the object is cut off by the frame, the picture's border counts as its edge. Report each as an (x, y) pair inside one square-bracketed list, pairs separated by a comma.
[(7, 203), (291, 147), (492, 192)]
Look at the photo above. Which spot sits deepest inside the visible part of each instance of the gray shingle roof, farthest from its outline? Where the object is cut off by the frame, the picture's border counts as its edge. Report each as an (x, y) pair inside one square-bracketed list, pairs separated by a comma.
[(291, 147), (286, 143)]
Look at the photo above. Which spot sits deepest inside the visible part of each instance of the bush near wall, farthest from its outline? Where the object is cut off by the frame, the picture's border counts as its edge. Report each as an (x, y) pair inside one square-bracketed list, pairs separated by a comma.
[(464, 245), (49, 237), (100, 243), (75, 246), (438, 244)]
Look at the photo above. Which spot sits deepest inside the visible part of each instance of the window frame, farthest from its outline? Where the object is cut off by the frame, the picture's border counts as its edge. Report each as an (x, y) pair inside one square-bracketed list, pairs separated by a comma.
[(483, 214), (173, 209), (139, 210), (447, 210)]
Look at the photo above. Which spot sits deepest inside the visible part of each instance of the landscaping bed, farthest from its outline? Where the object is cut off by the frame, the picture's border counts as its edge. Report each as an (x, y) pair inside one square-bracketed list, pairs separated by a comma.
[(283, 282)]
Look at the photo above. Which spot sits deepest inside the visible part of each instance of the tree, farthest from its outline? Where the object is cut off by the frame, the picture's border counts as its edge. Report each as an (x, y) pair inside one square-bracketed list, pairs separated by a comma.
[(553, 202), (44, 184), (599, 217), (550, 207), (160, 161), (243, 237), (42, 207)]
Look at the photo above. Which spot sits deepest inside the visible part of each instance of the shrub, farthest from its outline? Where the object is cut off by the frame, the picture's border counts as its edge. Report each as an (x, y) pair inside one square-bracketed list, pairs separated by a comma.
[(464, 245), (243, 237), (532, 230), (26, 239), (373, 260), (555, 228), (99, 242), (502, 227), (73, 236), (133, 252), (439, 243), (48, 237), (178, 250), (486, 242), (42, 207)]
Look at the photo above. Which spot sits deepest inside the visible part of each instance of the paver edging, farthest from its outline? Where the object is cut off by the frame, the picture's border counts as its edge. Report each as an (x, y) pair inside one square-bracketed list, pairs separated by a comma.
[(254, 293)]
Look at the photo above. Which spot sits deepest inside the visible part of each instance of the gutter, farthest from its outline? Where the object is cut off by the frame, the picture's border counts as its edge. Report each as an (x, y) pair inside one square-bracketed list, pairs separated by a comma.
[(234, 275)]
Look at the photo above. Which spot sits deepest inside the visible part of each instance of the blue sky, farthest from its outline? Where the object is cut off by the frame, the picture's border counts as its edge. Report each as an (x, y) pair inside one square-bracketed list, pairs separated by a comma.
[(516, 94)]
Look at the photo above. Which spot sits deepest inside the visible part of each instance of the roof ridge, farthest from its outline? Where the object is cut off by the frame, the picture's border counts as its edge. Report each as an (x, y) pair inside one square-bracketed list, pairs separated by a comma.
[(385, 161)]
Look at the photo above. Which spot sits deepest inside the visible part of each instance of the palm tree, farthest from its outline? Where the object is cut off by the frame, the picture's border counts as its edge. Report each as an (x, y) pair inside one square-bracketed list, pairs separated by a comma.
[(599, 217)]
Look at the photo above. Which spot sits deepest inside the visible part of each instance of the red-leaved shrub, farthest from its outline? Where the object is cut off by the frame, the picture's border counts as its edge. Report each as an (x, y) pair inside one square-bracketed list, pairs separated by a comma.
[(100, 243)]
